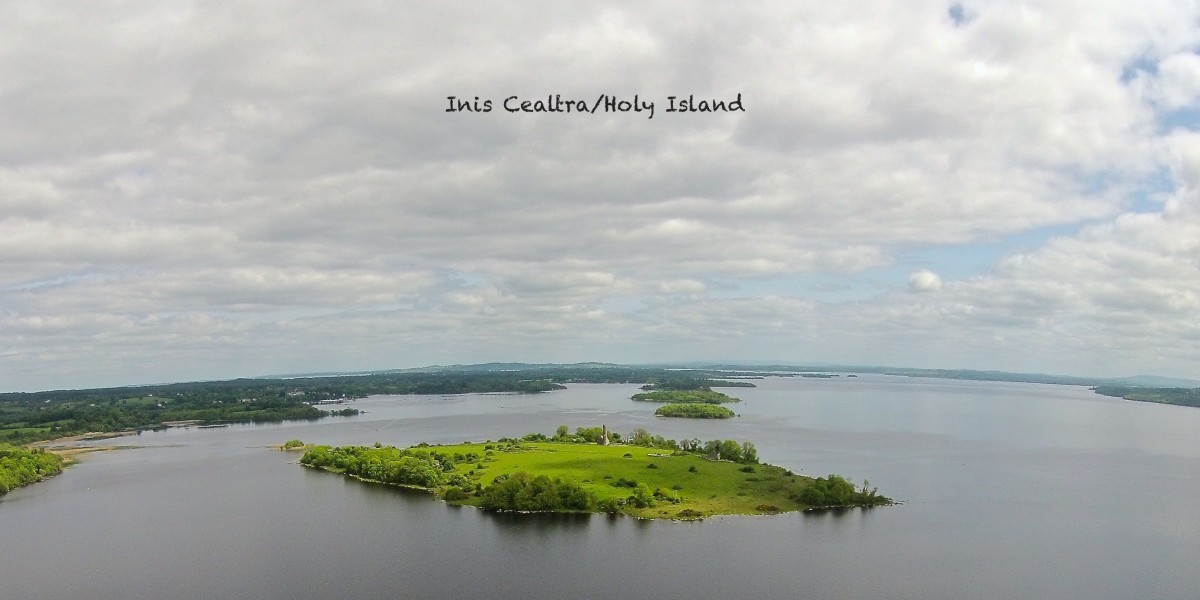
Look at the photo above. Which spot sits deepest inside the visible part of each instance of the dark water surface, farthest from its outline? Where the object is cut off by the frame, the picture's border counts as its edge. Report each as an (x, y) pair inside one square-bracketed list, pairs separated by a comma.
[(1010, 491)]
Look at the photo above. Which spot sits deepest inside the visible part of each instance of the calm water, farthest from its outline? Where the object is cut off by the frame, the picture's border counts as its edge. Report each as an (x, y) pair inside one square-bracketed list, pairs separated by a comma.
[(1010, 490)]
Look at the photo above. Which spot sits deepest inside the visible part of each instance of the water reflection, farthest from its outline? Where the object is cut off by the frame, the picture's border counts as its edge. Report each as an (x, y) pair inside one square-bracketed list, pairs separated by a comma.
[(835, 513), (538, 522)]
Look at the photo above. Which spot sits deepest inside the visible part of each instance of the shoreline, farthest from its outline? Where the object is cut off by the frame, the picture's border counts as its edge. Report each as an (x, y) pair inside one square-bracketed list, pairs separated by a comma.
[(81, 437), (70, 453)]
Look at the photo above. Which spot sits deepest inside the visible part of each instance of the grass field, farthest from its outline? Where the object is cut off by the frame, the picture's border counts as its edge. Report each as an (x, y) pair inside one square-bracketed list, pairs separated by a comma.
[(714, 488)]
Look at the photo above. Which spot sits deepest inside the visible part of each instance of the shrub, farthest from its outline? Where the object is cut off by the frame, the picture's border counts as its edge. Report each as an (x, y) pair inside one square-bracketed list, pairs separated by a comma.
[(641, 498), (671, 497)]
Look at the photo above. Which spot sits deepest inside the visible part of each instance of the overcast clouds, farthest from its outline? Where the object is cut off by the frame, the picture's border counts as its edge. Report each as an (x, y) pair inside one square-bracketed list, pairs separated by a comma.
[(195, 190)]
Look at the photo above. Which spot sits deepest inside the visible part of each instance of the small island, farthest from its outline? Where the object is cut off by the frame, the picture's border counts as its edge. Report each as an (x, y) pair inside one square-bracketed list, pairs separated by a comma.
[(694, 383), (695, 411), (702, 396), (647, 477)]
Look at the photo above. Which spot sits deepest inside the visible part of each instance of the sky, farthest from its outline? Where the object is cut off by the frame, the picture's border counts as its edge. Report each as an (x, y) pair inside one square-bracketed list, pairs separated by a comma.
[(209, 190)]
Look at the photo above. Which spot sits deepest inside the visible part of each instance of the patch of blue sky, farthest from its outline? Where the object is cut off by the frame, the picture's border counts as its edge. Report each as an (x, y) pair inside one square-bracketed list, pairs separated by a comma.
[(963, 261), (1145, 195), (1182, 118), (62, 281), (1142, 65), (949, 262), (957, 14), (1152, 193), (1168, 120)]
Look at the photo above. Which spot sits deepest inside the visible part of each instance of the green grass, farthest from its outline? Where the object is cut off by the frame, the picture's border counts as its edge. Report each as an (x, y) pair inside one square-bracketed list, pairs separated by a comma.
[(715, 488)]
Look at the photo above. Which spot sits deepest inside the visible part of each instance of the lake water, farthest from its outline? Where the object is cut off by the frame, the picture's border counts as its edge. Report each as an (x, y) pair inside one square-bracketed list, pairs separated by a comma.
[(1010, 491)]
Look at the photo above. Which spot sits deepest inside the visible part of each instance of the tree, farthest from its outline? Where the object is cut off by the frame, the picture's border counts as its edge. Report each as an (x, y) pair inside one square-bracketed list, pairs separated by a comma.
[(749, 453), (640, 437), (642, 497), (731, 450)]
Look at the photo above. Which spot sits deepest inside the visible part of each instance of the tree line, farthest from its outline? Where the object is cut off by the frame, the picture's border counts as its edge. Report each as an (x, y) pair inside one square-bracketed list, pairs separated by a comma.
[(418, 466)]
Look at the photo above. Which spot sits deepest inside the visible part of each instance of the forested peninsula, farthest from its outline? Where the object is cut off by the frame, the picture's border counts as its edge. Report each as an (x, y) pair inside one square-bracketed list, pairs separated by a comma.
[(1176, 396), (34, 416), (647, 476), (23, 466)]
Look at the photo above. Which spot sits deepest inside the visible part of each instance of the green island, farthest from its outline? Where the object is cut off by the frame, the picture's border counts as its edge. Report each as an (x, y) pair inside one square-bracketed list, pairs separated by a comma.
[(695, 411), (693, 383), (647, 477), (23, 466), (701, 396)]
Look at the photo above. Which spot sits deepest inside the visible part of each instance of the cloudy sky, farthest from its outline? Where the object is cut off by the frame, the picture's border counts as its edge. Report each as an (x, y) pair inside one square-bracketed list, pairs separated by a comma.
[(199, 190)]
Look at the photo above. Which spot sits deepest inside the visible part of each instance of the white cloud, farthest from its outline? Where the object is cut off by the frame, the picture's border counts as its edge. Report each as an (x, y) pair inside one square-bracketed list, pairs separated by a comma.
[(924, 281), (205, 182)]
